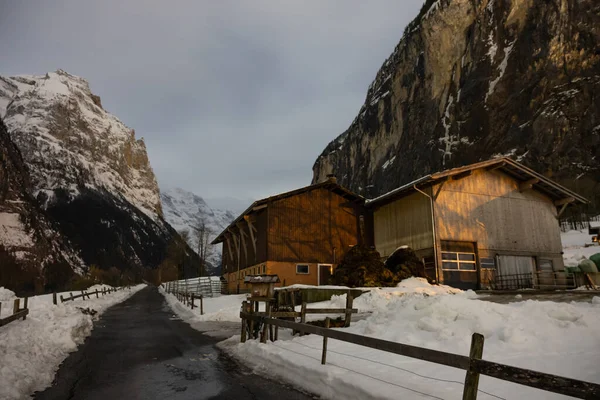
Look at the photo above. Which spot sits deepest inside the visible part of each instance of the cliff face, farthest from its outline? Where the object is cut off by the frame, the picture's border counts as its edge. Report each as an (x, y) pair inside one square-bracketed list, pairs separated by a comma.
[(471, 80), (87, 174), (32, 253)]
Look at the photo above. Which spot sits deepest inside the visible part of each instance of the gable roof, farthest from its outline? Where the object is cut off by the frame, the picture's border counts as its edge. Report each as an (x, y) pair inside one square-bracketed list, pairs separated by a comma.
[(329, 184), (510, 167)]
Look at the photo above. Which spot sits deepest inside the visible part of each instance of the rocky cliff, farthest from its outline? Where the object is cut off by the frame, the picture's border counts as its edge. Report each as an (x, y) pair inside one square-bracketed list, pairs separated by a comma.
[(88, 172), (32, 252), (475, 79)]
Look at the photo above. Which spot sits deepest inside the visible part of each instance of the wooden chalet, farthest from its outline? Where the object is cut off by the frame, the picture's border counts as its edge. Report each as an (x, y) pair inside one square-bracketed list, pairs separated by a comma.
[(299, 235), (490, 224)]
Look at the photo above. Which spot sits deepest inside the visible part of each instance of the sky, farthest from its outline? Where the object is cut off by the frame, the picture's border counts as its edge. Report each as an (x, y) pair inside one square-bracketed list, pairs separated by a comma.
[(233, 98)]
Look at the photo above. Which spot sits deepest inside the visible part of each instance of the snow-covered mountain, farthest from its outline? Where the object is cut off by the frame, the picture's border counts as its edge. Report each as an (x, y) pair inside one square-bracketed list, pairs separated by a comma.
[(185, 211), (88, 174), (70, 141)]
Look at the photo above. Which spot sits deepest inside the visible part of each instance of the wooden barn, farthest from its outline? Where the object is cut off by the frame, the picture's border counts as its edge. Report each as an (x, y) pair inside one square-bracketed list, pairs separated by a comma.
[(490, 224), (299, 235)]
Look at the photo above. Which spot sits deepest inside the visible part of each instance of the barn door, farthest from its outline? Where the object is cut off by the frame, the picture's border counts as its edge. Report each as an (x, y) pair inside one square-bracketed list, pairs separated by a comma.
[(514, 272)]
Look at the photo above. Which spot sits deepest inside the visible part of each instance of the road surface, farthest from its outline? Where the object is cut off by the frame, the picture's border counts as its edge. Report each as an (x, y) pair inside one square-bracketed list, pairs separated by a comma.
[(140, 350)]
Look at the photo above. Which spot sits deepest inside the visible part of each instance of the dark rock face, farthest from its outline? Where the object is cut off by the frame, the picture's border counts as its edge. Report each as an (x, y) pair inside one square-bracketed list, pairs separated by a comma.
[(471, 80), (110, 232), (32, 253)]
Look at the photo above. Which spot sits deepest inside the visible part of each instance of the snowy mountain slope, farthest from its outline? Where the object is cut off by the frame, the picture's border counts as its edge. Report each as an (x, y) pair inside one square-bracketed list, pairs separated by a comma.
[(184, 210), (32, 252), (89, 173), (70, 141)]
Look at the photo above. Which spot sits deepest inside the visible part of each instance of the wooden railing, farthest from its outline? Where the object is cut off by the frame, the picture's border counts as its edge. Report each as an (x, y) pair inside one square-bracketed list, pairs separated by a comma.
[(187, 298), (18, 312), (474, 364), (83, 295)]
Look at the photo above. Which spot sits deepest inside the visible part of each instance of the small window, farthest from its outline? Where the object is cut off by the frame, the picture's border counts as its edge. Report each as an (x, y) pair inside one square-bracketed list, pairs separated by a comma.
[(545, 266), (448, 256), (264, 269), (466, 257), (302, 268), (488, 263)]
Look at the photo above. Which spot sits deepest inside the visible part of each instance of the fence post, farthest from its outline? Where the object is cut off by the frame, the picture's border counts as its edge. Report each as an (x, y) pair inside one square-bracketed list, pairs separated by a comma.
[(96, 293), (324, 355), (26, 303), (303, 313), (349, 302), (71, 293), (82, 295), (472, 377), (16, 305), (192, 301), (244, 322), (201, 305), (54, 301), (263, 338)]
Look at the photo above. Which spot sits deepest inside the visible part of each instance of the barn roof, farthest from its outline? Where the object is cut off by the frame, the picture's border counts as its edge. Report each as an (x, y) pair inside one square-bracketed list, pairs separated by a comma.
[(329, 184), (558, 193)]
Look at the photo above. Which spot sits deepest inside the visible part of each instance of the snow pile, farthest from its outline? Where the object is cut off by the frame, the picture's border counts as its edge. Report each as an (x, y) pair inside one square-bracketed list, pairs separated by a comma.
[(32, 350), (222, 308), (6, 295), (574, 249), (531, 334)]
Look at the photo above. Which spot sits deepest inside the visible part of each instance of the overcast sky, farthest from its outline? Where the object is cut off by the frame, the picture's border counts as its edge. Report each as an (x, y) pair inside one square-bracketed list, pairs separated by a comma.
[(233, 98)]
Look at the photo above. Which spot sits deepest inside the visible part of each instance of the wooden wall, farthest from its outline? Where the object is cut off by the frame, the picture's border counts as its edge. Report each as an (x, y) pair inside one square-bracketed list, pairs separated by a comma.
[(488, 208), (309, 226), (405, 221), (247, 255)]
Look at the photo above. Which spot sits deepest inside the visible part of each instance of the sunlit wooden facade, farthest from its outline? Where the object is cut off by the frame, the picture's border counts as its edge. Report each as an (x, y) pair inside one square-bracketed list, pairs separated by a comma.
[(299, 235), (471, 225)]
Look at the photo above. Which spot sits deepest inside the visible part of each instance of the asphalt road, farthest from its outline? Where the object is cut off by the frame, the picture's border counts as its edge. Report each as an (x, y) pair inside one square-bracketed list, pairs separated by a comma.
[(140, 350)]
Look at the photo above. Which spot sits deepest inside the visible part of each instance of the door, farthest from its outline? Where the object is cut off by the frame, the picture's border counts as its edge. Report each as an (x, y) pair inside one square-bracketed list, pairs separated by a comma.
[(514, 272), (325, 272), (459, 264)]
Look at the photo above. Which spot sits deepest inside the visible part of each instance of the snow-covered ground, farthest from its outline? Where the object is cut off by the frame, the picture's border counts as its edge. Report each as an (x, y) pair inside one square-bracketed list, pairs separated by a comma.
[(32, 350), (558, 338), (574, 246)]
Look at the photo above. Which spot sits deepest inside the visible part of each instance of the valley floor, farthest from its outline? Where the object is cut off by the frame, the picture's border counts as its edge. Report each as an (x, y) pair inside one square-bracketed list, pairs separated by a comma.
[(140, 350)]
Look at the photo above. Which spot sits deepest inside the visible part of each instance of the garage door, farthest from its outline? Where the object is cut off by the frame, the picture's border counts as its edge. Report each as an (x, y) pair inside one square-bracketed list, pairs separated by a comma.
[(514, 272)]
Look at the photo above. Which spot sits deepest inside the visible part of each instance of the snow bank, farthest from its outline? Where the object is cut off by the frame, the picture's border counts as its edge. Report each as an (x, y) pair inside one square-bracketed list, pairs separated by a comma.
[(32, 350), (574, 246), (559, 338)]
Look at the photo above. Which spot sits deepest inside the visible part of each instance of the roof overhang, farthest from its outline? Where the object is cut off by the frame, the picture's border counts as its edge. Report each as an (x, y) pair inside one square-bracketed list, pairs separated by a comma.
[(527, 178)]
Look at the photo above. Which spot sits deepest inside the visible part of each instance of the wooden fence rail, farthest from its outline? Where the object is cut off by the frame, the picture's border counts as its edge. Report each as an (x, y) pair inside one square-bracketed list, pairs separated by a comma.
[(18, 312), (83, 294), (188, 298), (473, 364)]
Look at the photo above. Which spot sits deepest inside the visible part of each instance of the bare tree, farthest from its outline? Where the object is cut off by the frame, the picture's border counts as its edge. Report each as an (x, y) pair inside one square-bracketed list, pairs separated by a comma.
[(205, 249)]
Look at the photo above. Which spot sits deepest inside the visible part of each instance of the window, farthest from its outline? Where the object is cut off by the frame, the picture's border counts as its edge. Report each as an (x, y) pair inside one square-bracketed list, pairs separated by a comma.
[(488, 263), (429, 262), (302, 269), (545, 266), (264, 269), (455, 261)]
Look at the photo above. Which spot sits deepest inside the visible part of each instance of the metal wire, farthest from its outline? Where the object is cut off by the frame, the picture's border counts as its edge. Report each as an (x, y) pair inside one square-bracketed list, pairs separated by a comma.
[(360, 373), (399, 368)]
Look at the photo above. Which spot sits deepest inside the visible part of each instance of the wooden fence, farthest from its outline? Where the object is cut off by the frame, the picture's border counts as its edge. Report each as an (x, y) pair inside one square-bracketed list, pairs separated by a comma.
[(187, 298), (18, 312), (473, 364), (84, 294)]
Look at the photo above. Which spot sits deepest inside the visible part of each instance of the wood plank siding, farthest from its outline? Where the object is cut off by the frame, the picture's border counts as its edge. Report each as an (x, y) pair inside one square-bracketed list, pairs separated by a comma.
[(317, 226), (488, 208), (406, 221)]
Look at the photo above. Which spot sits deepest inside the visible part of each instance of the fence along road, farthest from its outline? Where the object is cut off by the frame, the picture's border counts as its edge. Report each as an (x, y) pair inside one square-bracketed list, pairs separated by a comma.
[(473, 364)]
